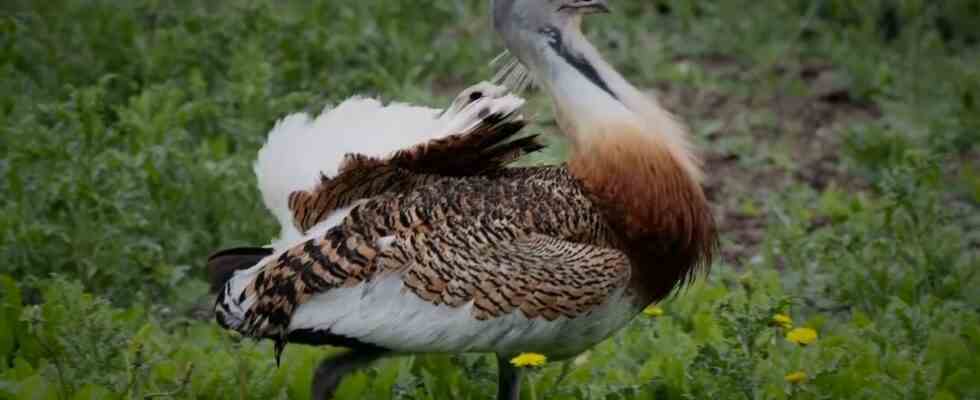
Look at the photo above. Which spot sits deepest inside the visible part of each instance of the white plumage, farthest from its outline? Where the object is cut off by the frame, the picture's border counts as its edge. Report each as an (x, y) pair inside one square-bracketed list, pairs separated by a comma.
[(300, 148), (382, 313)]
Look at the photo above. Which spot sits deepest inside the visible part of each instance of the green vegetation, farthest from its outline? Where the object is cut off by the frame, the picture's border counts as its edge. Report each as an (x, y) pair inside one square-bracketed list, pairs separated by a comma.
[(841, 148)]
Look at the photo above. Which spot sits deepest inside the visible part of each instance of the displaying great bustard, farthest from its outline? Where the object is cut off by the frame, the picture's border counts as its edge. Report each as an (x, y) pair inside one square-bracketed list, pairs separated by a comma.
[(403, 232)]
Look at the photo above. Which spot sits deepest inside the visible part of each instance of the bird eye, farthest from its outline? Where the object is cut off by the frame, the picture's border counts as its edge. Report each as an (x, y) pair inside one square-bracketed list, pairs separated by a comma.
[(552, 33)]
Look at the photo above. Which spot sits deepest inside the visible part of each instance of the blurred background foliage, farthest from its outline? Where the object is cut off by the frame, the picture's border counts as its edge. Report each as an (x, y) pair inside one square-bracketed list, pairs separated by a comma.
[(841, 148)]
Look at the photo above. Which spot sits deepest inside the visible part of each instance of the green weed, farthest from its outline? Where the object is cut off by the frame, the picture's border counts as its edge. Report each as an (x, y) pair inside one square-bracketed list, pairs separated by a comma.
[(128, 130)]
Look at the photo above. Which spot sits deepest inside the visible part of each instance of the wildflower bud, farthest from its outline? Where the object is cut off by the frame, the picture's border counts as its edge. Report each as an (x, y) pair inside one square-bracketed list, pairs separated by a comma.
[(653, 311), (528, 360), (796, 377), (782, 321), (802, 336)]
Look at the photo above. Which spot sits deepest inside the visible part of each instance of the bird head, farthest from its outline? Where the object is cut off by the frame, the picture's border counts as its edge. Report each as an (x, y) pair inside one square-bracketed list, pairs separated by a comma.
[(530, 27), (591, 99), (538, 13), (545, 37)]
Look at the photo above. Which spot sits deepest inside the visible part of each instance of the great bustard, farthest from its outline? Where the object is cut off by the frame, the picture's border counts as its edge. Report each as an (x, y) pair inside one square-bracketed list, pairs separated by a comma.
[(388, 247)]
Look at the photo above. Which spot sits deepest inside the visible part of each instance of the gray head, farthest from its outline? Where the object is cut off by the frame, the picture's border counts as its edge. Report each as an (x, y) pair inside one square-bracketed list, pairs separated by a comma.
[(530, 14), (545, 37), (528, 26), (590, 97)]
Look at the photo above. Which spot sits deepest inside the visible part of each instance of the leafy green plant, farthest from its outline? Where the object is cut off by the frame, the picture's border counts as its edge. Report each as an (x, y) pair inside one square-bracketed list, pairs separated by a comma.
[(127, 134)]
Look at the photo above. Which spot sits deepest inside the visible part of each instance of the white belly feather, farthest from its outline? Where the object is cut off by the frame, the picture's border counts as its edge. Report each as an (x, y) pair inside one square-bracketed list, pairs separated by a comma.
[(383, 313)]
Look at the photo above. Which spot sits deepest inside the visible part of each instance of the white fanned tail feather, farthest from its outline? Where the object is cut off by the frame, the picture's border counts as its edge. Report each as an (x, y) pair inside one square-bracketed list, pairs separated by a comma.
[(300, 148)]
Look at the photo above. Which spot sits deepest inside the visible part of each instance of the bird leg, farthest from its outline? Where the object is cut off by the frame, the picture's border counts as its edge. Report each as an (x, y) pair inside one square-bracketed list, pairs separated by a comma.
[(332, 370), (508, 380)]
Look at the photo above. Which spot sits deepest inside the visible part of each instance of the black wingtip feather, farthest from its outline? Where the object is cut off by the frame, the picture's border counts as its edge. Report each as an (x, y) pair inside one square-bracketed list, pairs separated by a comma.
[(223, 264)]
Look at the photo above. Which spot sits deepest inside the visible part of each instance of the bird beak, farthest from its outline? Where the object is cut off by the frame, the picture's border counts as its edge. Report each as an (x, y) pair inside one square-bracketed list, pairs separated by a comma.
[(588, 6)]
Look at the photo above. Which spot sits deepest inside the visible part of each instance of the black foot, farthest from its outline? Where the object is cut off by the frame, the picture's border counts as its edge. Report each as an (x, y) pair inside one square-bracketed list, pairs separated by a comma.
[(508, 380), (332, 370)]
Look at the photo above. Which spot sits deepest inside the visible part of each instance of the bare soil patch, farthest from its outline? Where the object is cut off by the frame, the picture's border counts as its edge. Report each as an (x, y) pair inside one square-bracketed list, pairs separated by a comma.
[(786, 140)]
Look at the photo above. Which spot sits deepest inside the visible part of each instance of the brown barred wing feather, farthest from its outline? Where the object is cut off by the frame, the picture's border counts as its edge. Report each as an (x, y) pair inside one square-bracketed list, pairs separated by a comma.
[(498, 266), (341, 258), (484, 150), (503, 269)]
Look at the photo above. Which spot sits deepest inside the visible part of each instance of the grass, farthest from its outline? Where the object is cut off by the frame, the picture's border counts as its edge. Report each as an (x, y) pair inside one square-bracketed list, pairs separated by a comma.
[(841, 148)]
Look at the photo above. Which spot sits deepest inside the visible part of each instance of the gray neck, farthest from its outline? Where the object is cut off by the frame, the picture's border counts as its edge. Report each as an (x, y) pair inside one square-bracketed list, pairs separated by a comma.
[(586, 90), (572, 50), (591, 98)]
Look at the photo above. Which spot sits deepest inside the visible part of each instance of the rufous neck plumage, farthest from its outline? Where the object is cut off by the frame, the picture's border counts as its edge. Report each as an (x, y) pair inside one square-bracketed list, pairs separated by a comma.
[(632, 156)]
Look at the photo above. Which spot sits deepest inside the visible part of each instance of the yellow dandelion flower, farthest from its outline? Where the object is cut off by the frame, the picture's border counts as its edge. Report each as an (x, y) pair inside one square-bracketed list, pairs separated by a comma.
[(796, 377), (802, 336), (529, 360), (653, 311), (782, 321)]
